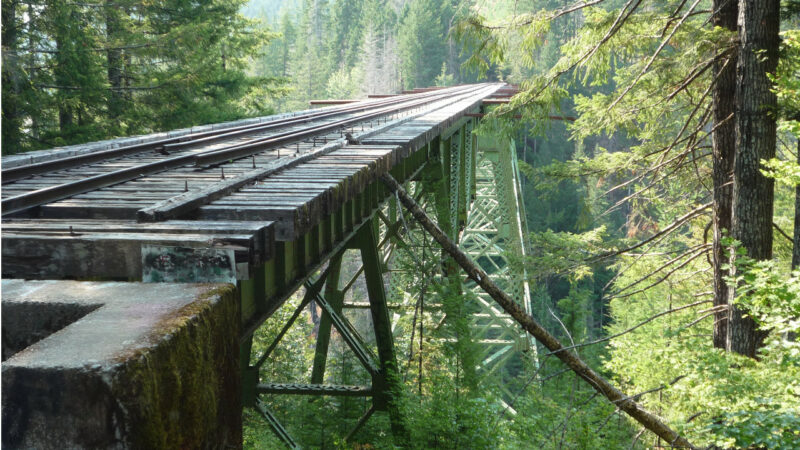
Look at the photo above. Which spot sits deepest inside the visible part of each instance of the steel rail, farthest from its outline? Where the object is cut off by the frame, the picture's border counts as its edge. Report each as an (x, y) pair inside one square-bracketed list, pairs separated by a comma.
[(12, 174), (301, 119), (249, 148), (51, 194), (182, 203)]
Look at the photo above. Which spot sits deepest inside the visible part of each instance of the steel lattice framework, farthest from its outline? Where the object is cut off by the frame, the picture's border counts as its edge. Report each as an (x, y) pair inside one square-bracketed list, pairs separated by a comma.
[(494, 235), (472, 187)]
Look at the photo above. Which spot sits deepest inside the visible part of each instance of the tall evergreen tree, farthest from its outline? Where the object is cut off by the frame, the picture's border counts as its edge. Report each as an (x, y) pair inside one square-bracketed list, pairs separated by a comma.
[(422, 44), (723, 137), (753, 193), (75, 72)]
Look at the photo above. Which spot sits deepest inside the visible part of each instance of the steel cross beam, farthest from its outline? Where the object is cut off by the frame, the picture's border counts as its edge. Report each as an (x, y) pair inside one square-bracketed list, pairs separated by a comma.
[(382, 369)]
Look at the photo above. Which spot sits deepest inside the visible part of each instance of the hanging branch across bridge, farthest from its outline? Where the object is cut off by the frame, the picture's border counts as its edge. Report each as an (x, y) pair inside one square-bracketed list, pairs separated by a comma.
[(571, 359)]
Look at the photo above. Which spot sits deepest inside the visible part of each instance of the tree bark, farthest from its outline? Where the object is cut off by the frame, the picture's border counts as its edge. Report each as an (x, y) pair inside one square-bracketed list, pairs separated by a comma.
[(568, 357), (114, 61), (11, 123), (723, 140), (796, 244), (753, 193)]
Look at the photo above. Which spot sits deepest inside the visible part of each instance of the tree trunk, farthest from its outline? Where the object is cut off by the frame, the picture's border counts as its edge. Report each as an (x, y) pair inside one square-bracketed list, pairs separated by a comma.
[(62, 20), (724, 145), (566, 355), (11, 124), (114, 61), (796, 244), (753, 193)]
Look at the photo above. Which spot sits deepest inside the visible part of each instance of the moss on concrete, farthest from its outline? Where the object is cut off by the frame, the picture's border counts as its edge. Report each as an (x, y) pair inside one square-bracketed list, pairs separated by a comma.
[(185, 391)]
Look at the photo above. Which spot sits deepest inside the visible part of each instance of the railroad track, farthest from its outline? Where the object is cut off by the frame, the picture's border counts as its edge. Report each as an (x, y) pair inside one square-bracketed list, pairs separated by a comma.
[(310, 178), (200, 158)]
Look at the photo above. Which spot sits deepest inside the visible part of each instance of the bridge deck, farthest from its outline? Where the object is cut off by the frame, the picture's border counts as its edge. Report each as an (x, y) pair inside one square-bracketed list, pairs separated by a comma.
[(241, 188)]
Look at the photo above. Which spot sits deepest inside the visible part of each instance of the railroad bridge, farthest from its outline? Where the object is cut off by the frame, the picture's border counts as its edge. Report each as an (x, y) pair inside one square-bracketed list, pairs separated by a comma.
[(136, 271)]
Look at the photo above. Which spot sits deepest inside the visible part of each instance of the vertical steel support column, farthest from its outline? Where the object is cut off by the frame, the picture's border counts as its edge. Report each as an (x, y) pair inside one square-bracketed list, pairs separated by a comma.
[(469, 167), (456, 182), (336, 298), (367, 242)]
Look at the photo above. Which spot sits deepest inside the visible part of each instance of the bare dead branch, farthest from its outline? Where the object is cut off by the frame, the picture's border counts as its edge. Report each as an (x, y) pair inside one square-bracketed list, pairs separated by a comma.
[(783, 233), (665, 277), (677, 223), (638, 325), (665, 265)]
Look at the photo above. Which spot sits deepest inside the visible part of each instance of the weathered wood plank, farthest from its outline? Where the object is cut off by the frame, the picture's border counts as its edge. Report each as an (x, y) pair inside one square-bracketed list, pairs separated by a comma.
[(96, 255), (263, 233)]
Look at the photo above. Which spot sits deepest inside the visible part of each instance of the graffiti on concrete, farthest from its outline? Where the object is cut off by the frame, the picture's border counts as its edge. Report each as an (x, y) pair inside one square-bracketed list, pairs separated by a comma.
[(187, 265)]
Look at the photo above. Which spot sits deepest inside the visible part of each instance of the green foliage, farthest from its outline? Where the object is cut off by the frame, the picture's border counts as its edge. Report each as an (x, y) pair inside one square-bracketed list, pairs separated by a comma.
[(787, 78), (256, 434), (564, 253), (774, 300), (717, 397), (450, 419), (640, 78), (444, 78), (353, 48), (787, 172), (92, 71), (421, 42), (767, 427)]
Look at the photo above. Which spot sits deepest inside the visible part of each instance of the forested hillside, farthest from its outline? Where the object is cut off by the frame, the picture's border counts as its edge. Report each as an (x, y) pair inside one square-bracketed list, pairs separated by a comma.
[(659, 145), (343, 49)]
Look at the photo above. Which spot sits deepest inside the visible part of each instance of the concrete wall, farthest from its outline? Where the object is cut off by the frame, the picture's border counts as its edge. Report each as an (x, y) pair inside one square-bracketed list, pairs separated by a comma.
[(139, 366)]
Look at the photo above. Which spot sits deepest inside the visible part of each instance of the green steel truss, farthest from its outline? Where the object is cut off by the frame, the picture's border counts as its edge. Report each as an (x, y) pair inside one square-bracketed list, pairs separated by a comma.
[(494, 236), (472, 187)]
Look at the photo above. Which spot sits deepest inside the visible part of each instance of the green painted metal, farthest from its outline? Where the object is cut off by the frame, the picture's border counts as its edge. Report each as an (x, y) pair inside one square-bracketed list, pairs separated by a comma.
[(473, 187), (494, 234), (275, 425), (314, 389), (456, 181), (353, 339), (367, 243), (336, 297)]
